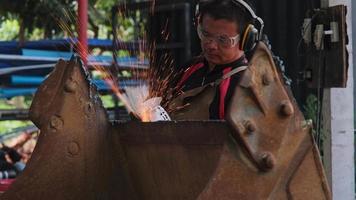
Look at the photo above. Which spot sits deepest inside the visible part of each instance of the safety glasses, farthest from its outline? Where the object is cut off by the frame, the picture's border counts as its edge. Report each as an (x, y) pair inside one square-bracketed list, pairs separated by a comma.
[(222, 40)]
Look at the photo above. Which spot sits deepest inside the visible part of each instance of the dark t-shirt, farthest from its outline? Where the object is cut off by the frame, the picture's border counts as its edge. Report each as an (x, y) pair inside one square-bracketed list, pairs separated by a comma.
[(202, 76)]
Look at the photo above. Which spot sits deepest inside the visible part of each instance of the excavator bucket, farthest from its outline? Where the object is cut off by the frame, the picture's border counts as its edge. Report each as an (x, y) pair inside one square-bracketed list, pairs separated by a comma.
[(263, 151)]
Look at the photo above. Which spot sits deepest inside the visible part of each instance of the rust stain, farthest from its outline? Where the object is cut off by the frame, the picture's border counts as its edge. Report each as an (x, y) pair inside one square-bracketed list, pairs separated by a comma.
[(255, 154)]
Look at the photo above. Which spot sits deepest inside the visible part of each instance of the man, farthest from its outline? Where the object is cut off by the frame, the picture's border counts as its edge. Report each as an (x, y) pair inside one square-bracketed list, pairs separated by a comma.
[(205, 88)]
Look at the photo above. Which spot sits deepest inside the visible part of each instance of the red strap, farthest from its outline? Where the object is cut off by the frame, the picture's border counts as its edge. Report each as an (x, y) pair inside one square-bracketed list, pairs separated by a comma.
[(188, 72), (224, 86)]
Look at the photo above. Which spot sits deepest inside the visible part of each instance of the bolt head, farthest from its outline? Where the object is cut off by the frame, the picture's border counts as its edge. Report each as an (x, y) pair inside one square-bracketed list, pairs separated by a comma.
[(73, 148), (267, 161), (56, 122), (266, 79), (70, 86), (250, 126), (287, 108)]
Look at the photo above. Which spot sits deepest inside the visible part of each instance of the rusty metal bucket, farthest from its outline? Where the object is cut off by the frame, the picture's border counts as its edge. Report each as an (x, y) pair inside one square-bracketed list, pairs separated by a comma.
[(81, 155)]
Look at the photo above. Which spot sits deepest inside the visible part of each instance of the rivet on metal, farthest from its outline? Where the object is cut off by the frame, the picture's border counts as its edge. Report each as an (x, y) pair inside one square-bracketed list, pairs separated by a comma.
[(267, 161), (56, 122), (266, 79), (73, 148), (81, 100), (70, 85), (286, 108), (250, 126)]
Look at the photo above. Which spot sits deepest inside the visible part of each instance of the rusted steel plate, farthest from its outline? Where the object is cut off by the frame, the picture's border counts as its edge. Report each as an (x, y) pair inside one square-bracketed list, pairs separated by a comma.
[(80, 155), (75, 157), (169, 160), (183, 133), (276, 139), (263, 152)]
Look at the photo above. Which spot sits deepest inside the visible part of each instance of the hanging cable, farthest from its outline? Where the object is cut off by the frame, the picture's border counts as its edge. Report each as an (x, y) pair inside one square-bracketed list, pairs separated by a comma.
[(320, 89)]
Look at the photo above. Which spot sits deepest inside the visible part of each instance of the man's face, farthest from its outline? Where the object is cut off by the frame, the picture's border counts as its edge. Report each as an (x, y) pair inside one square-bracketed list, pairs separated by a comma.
[(217, 38)]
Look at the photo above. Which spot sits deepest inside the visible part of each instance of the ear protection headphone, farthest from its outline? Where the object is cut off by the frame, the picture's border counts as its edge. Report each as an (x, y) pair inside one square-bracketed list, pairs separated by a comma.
[(249, 35)]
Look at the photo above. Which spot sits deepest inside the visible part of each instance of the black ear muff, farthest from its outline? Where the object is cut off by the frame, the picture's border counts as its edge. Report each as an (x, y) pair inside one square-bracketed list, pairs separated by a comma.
[(249, 37)]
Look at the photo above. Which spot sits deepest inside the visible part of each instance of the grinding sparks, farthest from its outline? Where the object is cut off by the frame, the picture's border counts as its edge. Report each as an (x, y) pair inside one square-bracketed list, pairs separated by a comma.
[(156, 79)]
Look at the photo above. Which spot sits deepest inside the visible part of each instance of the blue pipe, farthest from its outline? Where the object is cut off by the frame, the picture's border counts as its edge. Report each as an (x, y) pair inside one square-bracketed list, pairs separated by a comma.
[(12, 92), (35, 81), (26, 80)]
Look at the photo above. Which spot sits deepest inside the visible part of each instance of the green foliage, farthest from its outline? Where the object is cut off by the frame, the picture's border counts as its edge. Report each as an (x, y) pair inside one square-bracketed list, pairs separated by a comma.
[(311, 111), (311, 108), (8, 126), (47, 18), (107, 101), (104, 5), (9, 29), (4, 104), (43, 14), (37, 34), (123, 53), (125, 30), (14, 103)]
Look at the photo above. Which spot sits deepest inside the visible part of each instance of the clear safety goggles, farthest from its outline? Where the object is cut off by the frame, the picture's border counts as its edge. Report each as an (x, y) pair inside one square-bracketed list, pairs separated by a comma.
[(222, 40)]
